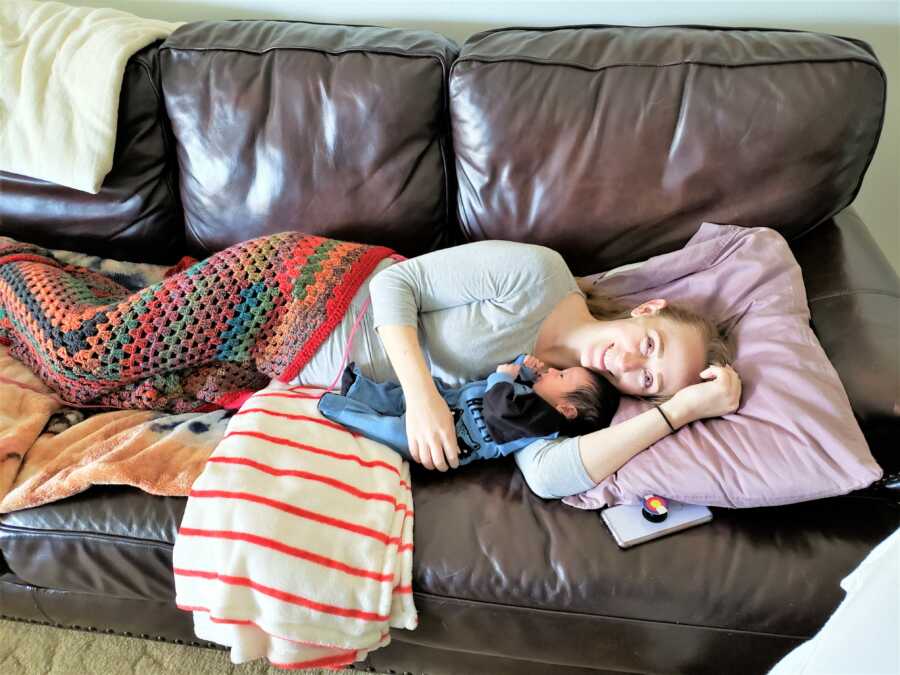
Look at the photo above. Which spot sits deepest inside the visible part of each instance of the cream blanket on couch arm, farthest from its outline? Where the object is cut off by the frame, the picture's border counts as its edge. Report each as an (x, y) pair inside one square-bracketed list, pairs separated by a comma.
[(60, 78)]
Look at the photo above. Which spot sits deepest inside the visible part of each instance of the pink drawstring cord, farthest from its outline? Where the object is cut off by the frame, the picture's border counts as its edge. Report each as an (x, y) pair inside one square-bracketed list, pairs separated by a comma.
[(346, 356), (362, 312)]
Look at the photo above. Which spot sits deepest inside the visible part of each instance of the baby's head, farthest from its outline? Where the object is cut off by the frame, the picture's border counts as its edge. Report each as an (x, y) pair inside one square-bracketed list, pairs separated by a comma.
[(585, 399)]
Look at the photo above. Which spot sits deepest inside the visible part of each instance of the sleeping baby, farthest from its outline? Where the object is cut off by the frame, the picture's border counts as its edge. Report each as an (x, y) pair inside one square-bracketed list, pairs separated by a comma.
[(516, 405)]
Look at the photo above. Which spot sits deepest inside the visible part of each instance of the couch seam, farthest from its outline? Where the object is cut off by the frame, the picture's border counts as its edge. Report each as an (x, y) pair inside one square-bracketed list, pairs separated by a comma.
[(19, 531), (704, 27), (27, 585), (304, 21), (443, 134), (535, 60), (858, 291), (303, 48), (431, 596)]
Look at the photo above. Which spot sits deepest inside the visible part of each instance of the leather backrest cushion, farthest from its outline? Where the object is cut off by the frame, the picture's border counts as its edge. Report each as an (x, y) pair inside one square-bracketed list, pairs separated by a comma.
[(612, 144), (137, 214), (332, 130)]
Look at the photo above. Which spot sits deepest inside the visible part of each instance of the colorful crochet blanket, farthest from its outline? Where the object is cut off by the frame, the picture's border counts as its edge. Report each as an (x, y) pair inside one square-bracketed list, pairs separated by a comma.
[(199, 339)]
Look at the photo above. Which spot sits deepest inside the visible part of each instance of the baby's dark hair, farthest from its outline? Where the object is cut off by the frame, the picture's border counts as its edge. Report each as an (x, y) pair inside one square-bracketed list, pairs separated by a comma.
[(596, 404)]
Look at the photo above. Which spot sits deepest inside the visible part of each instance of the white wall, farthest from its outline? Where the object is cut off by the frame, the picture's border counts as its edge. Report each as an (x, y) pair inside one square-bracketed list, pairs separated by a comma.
[(878, 23)]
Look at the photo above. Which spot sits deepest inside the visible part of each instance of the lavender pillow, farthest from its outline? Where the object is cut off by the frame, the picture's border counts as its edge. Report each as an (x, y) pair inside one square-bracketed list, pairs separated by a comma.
[(794, 437)]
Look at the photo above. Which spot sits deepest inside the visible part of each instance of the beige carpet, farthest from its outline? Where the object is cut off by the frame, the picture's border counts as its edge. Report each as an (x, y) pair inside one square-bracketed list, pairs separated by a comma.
[(34, 649)]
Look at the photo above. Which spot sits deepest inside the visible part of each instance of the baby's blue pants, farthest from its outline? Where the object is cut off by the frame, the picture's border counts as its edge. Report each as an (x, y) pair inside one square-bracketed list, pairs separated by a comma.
[(377, 410)]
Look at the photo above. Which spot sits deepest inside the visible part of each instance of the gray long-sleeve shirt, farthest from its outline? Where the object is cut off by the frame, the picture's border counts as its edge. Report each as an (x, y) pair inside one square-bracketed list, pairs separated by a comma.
[(475, 306)]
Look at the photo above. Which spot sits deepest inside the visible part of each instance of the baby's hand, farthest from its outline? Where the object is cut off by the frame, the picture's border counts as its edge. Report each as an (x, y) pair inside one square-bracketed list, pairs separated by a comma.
[(511, 369), (534, 363)]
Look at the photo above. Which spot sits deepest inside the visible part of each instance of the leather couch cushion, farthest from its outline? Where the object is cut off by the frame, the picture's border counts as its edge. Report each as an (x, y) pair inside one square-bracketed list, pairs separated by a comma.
[(137, 213), (612, 144), (111, 540), (482, 537), (332, 130)]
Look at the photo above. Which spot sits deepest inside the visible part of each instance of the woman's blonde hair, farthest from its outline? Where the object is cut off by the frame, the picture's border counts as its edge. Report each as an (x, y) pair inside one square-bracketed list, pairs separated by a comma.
[(718, 349)]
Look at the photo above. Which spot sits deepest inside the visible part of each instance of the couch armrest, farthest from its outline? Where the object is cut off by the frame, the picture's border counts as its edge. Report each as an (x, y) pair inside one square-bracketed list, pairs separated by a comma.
[(854, 299)]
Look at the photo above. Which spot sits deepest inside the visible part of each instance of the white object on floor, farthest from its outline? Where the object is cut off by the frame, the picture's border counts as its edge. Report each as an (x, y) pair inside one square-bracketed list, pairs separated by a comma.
[(60, 79), (296, 542), (862, 637)]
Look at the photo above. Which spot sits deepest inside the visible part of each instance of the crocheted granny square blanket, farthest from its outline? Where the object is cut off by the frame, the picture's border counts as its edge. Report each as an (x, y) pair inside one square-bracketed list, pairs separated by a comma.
[(199, 339)]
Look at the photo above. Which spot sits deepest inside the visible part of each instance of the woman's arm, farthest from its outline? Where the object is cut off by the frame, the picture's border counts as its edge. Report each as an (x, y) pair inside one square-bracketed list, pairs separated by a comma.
[(461, 275), (605, 451), (569, 466), (555, 469), (429, 423)]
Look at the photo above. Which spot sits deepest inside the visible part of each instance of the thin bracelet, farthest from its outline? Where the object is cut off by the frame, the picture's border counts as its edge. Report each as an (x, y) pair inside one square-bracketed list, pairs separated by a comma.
[(664, 417)]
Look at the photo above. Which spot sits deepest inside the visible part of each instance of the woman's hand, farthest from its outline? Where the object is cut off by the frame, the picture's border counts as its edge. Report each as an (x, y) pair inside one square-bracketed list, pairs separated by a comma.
[(430, 431), (429, 423), (719, 395)]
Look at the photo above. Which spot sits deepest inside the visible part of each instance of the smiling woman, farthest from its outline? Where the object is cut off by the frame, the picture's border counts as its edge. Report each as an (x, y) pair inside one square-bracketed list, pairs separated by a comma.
[(652, 350)]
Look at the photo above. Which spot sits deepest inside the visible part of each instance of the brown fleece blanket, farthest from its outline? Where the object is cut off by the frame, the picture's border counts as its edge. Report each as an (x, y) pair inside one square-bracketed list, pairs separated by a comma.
[(25, 407), (158, 453)]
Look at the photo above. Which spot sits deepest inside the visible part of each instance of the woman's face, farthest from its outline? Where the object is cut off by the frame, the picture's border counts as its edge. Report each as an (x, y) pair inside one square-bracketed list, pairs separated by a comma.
[(646, 354)]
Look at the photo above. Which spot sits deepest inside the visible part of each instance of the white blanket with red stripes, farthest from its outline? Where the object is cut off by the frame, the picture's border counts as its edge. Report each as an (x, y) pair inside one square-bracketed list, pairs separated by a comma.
[(296, 543)]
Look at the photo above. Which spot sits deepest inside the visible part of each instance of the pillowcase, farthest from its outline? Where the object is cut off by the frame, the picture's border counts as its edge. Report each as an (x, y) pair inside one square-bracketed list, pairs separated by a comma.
[(794, 436)]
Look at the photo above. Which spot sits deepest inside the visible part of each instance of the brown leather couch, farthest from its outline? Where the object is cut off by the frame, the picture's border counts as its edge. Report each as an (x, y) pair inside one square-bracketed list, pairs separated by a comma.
[(609, 144)]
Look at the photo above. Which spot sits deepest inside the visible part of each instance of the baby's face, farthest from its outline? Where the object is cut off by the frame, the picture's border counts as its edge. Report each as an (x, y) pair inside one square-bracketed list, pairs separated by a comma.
[(554, 385)]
